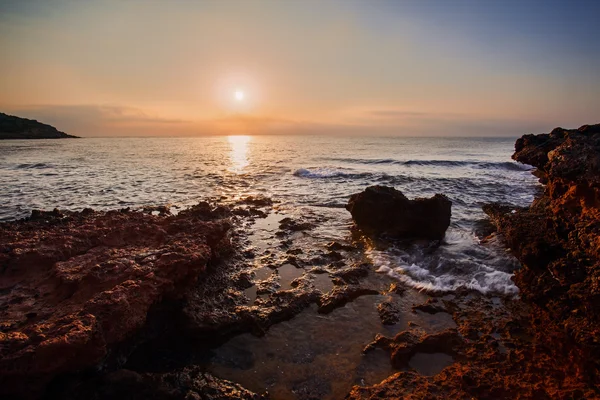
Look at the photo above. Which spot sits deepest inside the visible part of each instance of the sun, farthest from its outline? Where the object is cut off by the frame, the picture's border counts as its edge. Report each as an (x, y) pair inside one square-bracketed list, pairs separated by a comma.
[(239, 95)]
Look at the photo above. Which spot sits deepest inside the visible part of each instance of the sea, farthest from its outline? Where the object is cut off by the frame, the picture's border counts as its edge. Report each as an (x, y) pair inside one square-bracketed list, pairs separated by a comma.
[(304, 175), (309, 178)]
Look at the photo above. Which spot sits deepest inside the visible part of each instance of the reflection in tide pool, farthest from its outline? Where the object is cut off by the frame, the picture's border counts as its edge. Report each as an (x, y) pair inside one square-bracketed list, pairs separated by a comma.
[(239, 152)]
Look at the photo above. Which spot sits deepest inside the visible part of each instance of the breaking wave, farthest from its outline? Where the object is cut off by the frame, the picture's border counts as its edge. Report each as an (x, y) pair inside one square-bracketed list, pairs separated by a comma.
[(507, 165), (328, 173)]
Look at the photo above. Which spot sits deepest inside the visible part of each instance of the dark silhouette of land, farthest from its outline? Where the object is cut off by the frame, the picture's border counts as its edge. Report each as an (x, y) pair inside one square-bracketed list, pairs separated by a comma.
[(12, 127)]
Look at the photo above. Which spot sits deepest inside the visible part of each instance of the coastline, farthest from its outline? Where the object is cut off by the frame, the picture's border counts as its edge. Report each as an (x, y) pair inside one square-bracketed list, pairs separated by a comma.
[(104, 324)]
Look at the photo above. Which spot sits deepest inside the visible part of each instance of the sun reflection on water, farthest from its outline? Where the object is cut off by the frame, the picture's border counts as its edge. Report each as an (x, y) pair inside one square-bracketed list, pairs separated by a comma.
[(239, 152)]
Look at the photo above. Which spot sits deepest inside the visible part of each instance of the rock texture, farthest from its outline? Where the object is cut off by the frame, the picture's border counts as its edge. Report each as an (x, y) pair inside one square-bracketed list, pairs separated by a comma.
[(495, 357), (73, 286), (557, 240), (545, 345), (12, 127), (382, 210), (188, 383)]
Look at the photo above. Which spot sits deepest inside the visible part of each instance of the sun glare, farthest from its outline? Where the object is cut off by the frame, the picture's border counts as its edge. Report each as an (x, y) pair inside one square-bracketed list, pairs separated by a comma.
[(239, 95), (239, 152)]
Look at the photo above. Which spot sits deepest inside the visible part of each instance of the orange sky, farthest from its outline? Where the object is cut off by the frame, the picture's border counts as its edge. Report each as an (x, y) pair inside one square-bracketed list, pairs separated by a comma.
[(172, 68)]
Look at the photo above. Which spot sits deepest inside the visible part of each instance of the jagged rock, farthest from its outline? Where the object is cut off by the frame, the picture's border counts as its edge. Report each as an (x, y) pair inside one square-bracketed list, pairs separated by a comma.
[(557, 240), (382, 210), (75, 285), (340, 295), (388, 313)]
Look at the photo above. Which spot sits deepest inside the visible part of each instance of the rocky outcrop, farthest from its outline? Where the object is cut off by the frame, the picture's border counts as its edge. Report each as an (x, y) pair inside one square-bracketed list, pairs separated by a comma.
[(382, 210), (494, 357), (12, 127), (75, 285), (545, 345), (557, 240)]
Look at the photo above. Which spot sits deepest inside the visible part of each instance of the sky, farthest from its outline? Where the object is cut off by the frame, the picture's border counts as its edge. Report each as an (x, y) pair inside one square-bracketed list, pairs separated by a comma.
[(405, 67)]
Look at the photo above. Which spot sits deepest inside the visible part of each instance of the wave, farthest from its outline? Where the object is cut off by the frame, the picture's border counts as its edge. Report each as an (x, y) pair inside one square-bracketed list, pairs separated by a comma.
[(512, 166), (328, 173), (34, 166), (440, 278)]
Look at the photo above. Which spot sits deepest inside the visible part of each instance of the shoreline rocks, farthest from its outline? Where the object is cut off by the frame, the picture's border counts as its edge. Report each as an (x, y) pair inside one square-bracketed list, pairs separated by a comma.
[(383, 210), (557, 240), (545, 345), (75, 285)]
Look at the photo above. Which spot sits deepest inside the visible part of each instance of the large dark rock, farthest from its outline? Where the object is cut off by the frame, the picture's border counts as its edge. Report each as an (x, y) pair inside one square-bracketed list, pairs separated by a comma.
[(382, 210)]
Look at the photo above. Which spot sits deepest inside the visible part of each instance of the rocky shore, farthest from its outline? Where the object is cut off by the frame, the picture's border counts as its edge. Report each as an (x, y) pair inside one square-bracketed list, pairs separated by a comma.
[(546, 344), (123, 303)]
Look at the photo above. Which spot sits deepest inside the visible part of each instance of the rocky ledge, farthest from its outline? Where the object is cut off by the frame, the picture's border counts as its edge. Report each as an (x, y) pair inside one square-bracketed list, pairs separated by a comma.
[(12, 127), (75, 286), (557, 240)]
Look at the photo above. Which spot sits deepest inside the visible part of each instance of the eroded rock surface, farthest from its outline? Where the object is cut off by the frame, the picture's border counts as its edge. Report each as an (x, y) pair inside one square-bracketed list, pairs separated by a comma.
[(74, 285), (557, 240), (382, 210)]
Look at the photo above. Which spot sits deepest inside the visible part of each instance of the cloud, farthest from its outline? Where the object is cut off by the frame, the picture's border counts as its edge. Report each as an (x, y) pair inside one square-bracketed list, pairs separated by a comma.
[(117, 120)]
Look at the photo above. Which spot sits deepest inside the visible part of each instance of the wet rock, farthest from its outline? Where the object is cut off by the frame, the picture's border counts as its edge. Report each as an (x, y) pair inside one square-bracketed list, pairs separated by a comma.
[(335, 256), (407, 343), (494, 358), (382, 210), (353, 273), (337, 246), (397, 288), (188, 383), (258, 201), (431, 306), (339, 296), (74, 288), (388, 313), (288, 224)]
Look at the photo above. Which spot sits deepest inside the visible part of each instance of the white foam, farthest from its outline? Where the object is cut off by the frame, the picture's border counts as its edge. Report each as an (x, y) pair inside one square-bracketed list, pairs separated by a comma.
[(485, 279), (318, 173)]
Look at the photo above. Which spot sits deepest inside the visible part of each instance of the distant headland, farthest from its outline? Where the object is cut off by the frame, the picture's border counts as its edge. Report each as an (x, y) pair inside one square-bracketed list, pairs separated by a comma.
[(12, 127)]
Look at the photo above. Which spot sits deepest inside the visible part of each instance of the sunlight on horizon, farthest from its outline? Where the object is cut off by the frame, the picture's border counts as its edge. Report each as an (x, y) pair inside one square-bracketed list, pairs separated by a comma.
[(239, 152)]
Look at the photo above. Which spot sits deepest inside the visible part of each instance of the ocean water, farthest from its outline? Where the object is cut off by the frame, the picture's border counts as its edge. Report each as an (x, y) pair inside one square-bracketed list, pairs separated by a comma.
[(308, 176)]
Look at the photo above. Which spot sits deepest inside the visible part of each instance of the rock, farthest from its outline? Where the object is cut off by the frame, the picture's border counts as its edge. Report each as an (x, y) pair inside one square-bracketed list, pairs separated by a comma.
[(557, 240), (431, 306), (188, 383), (382, 210), (12, 127), (73, 286), (352, 274), (340, 295), (257, 201), (407, 343), (388, 313), (337, 246), (288, 224)]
